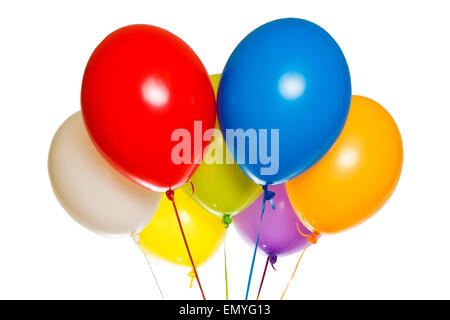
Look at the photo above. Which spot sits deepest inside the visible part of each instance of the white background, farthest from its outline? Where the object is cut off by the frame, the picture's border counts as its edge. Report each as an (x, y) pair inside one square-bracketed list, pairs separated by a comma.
[(398, 53)]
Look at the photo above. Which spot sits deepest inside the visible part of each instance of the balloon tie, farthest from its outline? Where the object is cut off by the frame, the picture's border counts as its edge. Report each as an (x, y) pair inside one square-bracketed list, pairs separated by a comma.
[(226, 220), (170, 195), (268, 196), (192, 275), (312, 239), (272, 258)]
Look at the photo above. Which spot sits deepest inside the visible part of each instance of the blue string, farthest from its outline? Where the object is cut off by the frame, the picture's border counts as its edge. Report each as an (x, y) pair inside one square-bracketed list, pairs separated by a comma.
[(268, 196)]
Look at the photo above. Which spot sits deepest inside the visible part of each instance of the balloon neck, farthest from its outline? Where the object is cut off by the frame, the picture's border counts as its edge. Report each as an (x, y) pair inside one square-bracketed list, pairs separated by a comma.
[(192, 275), (273, 259), (226, 220), (135, 237), (268, 196), (312, 238), (170, 194)]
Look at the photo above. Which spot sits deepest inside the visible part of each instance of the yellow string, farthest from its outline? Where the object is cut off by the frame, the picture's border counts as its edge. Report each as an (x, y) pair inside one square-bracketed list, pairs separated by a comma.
[(192, 275)]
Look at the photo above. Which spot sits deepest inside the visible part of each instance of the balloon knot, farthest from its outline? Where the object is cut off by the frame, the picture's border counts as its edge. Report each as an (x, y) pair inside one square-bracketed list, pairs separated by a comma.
[(312, 238), (135, 237), (273, 259), (227, 220), (268, 196), (192, 275), (170, 194)]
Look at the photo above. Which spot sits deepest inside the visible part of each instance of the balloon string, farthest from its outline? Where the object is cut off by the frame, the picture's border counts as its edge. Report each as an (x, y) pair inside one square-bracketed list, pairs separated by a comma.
[(312, 239), (154, 277), (268, 196), (226, 273), (226, 220), (295, 270), (262, 280), (170, 196), (192, 275), (272, 258), (135, 238)]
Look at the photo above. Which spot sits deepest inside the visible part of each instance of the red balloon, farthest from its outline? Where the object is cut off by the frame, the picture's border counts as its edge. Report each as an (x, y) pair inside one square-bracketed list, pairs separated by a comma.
[(140, 84)]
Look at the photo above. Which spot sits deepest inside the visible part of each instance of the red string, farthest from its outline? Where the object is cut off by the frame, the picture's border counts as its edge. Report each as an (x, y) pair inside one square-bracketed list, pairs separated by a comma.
[(264, 275), (170, 196)]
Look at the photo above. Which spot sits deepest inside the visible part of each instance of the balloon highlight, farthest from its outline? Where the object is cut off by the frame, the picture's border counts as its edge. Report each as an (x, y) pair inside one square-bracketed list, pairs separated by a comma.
[(354, 180), (222, 188), (90, 190), (140, 85), (204, 232), (287, 86)]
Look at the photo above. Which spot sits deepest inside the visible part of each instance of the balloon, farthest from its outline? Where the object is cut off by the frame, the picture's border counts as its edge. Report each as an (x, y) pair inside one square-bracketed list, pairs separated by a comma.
[(204, 232), (90, 190), (288, 77), (222, 188), (279, 234), (357, 176), (143, 89)]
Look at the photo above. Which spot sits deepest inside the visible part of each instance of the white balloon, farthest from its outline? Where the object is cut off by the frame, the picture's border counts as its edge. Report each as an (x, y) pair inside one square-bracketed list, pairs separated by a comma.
[(90, 190)]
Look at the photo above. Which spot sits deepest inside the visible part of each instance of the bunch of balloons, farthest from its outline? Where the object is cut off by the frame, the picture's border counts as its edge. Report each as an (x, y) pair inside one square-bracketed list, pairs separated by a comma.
[(276, 143)]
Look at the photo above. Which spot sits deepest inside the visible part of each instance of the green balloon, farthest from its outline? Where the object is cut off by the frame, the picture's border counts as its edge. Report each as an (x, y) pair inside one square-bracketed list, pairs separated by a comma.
[(222, 188)]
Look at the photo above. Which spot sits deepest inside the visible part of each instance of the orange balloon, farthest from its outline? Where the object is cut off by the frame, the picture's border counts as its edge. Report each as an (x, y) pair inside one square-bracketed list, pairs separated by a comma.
[(356, 177)]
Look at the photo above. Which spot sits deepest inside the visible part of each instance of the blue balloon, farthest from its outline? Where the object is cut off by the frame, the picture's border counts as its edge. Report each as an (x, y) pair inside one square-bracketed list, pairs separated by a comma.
[(283, 99)]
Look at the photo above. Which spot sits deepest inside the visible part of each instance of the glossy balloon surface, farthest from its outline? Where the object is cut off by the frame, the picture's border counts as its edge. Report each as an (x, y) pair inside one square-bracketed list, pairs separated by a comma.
[(287, 75), (140, 85), (222, 188), (204, 232), (90, 190), (279, 234), (354, 180)]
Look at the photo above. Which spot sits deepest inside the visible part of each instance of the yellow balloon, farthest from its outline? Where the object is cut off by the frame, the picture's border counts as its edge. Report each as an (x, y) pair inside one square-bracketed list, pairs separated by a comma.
[(215, 79), (356, 177), (162, 237), (222, 188)]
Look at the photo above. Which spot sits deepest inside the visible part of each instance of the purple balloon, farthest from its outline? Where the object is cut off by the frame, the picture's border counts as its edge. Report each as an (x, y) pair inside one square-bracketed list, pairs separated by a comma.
[(279, 234)]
